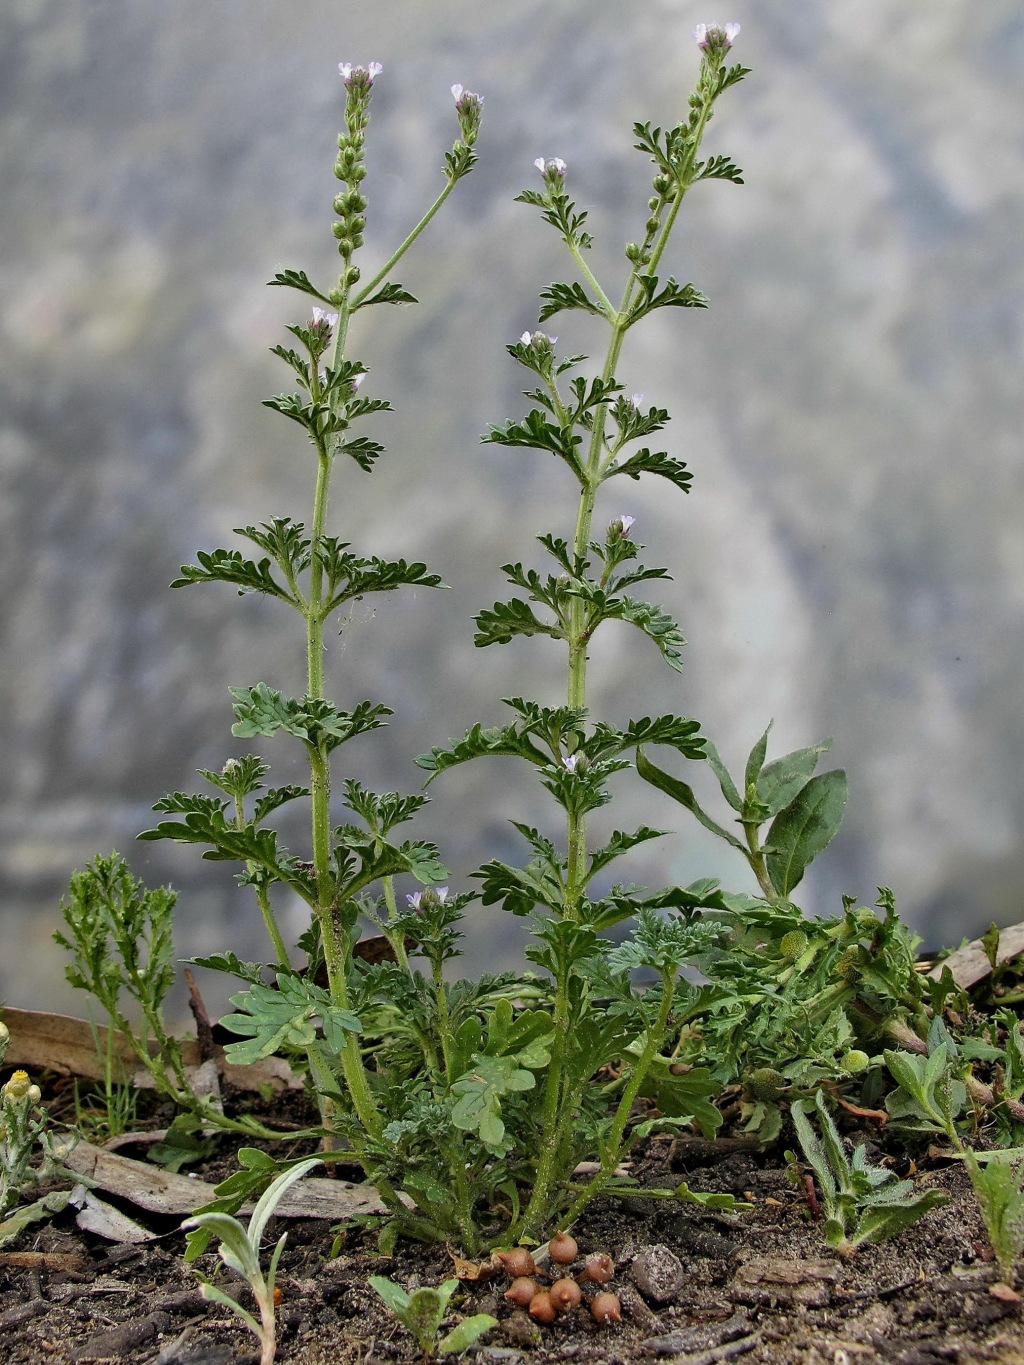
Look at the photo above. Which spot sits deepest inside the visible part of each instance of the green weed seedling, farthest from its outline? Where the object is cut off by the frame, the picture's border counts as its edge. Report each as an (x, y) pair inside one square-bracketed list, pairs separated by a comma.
[(240, 1250), (861, 1202), (423, 1311), (30, 1155), (931, 1095), (998, 1182)]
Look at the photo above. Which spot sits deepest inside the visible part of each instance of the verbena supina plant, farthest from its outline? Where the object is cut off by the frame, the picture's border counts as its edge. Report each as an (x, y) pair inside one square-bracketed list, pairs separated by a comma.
[(471, 1104)]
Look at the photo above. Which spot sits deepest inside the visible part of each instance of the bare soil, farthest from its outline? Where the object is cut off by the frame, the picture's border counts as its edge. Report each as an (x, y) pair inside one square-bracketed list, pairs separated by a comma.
[(696, 1286)]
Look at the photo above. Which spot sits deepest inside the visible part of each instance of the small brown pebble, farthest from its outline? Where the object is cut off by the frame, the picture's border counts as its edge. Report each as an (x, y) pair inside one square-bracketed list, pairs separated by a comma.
[(565, 1294), (605, 1308), (1002, 1291)]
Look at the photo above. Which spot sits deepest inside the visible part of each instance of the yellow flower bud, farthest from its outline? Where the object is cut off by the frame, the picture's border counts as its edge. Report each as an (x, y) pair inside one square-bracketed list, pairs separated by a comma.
[(18, 1086)]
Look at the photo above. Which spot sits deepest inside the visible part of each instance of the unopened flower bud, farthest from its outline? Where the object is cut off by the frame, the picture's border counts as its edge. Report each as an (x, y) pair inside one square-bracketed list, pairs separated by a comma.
[(518, 1262), (793, 944), (522, 1291), (766, 1083), (599, 1267), (5, 1032), (565, 1294), (855, 1060), (18, 1086), (469, 108), (465, 100), (619, 528), (542, 1309)]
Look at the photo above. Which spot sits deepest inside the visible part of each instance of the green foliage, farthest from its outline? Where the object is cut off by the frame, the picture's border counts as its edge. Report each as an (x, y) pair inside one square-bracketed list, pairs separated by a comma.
[(861, 1202), (119, 941), (471, 1104), (240, 1251), (292, 1014), (929, 1097), (805, 810), (423, 1311), (998, 1183), (30, 1154)]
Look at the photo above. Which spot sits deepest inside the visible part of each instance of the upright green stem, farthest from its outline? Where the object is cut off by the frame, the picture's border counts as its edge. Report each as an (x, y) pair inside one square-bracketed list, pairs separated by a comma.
[(335, 943), (263, 900), (400, 251), (757, 863), (613, 1150)]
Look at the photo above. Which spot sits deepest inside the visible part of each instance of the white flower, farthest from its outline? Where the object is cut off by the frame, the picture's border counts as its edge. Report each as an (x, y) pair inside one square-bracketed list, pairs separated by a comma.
[(435, 895), (716, 37), (323, 319), (540, 340), (347, 71), (466, 100), (375, 68), (552, 169), (635, 400), (620, 527), (357, 380)]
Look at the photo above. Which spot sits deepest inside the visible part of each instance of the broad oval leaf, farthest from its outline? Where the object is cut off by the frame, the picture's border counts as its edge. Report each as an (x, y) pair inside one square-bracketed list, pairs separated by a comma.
[(806, 826)]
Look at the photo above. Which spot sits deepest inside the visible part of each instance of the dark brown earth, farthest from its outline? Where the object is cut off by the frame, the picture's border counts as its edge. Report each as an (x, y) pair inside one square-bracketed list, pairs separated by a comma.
[(696, 1286)]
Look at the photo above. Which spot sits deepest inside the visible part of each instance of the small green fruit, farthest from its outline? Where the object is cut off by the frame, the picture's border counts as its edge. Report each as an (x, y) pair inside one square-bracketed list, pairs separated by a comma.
[(855, 1060), (793, 944), (766, 1083)]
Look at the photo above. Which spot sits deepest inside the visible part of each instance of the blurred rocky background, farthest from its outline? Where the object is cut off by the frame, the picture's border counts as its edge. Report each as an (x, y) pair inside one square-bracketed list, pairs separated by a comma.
[(851, 559)]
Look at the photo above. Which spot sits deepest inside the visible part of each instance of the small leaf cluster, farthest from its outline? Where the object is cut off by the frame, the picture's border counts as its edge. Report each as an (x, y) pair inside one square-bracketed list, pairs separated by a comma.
[(861, 1202), (805, 810), (30, 1154), (423, 1311), (240, 1251), (285, 545), (997, 1179)]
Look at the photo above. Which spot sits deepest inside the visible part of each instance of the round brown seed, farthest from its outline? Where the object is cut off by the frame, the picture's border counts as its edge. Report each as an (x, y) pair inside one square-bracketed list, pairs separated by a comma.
[(605, 1308), (565, 1294), (542, 1308), (562, 1248)]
